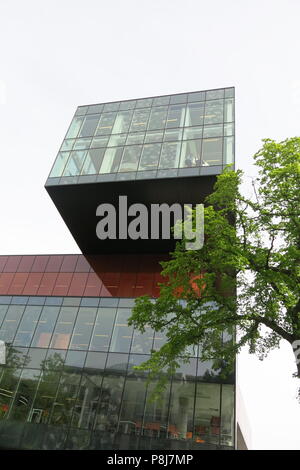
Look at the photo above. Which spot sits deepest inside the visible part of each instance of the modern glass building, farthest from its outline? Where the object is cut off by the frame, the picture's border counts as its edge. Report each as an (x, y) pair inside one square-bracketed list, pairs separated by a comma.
[(69, 380)]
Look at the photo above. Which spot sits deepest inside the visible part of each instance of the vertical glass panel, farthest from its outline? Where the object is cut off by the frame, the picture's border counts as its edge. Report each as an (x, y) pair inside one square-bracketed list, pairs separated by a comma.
[(135, 138), (45, 327), (160, 339), (81, 110), (150, 157), (87, 400), (207, 413), (144, 103), (229, 110), (153, 136), (3, 310), (35, 358), (214, 94), (45, 397), (83, 328), (103, 329), (227, 415), (156, 413), (175, 116), (186, 370), (62, 333), (213, 131), (8, 384), (193, 133), (111, 107), (116, 363), (59, 164), (67, 144), (194, 114), (93, 161), (122, 122), (137, 360), (95, 360), (55, 360), (74, 127), (229, 92), (213, 112), (142, 342), (116, 140), (109, 404), (130, 158), (139, 120), (181, 410), (99, 141), (132, 410), (178, 98), (65, 399), (74, 164), (106, 123), (25, 395), (171, 135), (229, 129), (161, 100), (228, 150), (82, 144), (89, 126), (122, 334), (170, 154), (111, 160), (75, 360), (158, 118), (127, 105), (197, 96), (212, 152), (11, 322), (27, 325)]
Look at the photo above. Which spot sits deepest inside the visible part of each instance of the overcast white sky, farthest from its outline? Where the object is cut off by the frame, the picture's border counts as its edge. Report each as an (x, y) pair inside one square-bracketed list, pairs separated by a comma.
[(58, 54)]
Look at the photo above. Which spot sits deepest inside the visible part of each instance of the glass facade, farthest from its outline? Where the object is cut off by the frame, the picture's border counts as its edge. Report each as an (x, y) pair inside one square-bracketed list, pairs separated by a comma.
[(148, 138), (69, 382)]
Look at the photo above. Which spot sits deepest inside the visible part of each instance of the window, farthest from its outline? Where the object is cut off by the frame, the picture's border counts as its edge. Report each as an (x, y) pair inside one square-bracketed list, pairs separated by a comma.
[(122, 334), (92, 162), (139, 120), (103, 328), (59, 164), (176, 116), (122, 122), (170, 155), (89, 126), (62, 334), (106, 123), (213, 112), (83, 328), (11, 322), (74, 164), (194, 114), (191, 153), (212, 152), (130, 158), (45, 326), (74, 127), (158, 118), (27, 325), (111, 160), (150, 157)]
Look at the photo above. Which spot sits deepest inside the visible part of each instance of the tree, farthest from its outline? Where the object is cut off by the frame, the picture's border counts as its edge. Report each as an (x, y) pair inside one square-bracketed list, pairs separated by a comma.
[(245, 279)]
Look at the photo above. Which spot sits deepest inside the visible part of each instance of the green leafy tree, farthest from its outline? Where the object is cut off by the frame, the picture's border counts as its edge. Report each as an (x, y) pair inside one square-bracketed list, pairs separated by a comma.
[(245, 279)]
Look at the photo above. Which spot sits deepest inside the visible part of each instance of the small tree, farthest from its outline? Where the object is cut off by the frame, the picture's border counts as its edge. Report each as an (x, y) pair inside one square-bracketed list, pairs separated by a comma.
[(246, 276)]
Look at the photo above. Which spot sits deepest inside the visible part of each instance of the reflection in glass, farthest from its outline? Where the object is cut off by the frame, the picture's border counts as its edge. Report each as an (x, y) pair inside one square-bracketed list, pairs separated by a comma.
[(45, 327), (59, 164), (197, 96), (9, 378), (115, 140), (229, 129), (111, 160), (135, 138), (170, 155), (207, 413), (178, 98), (175, 116), (92, 162), (45, 397), (190, 153), (103, 328), (150, 157), (193, 133), (227, 415), (158, 118), (3, 310), (214, 94), (82, 144), (212, 152), (153, 136), (229, 110), (64, 327), (142, 342), (89, 126), (111, 107), (181, 410), (213, 131), (83, 328), (122, 122), (74, 164), (11, 322), (65, 399), (27, 325), (106, 123), (74, 127), (35, 358), (130, 158), (25, 395), (121, 337), (109, 405), (132, 409), (139, 120), (213, 112), (161, 101), (75, 359), (87, 400), (228, 150), (144, 103), (67, 144), (171, 135), (194, 114), (99, 141), (95, 108), (156, 413), (127, 105)]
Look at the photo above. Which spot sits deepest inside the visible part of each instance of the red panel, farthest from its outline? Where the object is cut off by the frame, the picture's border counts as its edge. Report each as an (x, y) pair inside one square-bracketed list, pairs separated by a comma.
[(3, 260), (82, 265), (155, 292), (12, 264), (47, 283), (113, 277), (143, 288), (54, 264), (78, 283), (109, 289), (18, 284), (26, 264), (129, 263), (5, 281), (32, 284), (62, 284), (40, 264), (126, 288), (93, 286), (145, 276), (69, 264)]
